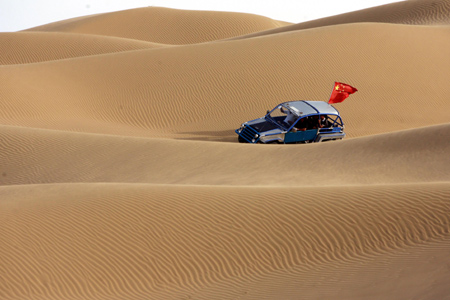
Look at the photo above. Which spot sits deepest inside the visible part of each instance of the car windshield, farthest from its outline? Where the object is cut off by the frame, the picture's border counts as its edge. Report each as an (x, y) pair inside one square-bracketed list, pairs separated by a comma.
[(282, 117)]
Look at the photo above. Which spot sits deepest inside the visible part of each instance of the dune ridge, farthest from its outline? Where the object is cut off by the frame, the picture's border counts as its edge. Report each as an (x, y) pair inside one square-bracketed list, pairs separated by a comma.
[(121, 176), (410, 12), (33, 47), (166, 26), (413, 156)]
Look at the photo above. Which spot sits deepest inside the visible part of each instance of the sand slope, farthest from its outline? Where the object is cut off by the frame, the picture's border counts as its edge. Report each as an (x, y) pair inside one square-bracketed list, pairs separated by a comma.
[(121, 176), (101, 240)]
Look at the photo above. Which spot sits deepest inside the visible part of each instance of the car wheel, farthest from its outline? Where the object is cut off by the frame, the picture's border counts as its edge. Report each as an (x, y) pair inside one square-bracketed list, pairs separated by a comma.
[(241, 139)]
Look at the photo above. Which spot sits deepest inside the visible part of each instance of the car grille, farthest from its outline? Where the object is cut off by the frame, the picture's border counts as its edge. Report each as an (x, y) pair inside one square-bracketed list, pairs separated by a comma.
[(249, 133)]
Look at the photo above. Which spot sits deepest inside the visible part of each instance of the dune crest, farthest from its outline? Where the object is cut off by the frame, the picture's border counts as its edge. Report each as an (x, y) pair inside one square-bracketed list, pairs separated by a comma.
[(166, 26), (33, 47), (409, 12), (121, 176)]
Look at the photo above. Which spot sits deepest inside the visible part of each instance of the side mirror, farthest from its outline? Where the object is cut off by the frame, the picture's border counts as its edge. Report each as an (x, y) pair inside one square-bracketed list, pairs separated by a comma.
[(267, 112)]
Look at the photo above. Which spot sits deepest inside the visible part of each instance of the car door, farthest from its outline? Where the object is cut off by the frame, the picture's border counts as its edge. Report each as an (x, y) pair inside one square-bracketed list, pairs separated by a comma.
[(300, 136)]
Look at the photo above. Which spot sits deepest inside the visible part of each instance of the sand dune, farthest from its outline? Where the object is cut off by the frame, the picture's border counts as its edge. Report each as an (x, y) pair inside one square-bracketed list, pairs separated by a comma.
[(183, 91), (166, 26), (121, 176)]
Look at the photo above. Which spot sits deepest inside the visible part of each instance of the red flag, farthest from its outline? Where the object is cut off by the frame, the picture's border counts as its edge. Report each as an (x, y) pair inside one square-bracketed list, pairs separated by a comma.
[(340, 92)]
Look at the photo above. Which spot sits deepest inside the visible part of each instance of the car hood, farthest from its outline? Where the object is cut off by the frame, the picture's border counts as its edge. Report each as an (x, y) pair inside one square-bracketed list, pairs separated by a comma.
[(265, 127)]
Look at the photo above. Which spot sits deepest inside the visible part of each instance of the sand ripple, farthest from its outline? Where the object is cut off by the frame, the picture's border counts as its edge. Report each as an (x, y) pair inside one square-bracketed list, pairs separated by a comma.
[(103, 240)]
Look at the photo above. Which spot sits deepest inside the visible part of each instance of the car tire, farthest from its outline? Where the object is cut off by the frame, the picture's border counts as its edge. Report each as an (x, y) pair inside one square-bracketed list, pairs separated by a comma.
[(241, 139)]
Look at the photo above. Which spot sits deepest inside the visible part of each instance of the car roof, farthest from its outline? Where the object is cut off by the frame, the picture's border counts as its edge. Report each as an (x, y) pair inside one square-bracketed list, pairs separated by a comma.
[(304, 108)]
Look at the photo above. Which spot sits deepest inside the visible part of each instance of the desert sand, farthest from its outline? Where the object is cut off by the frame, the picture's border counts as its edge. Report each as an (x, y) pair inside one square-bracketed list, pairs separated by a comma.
[(121, 176)]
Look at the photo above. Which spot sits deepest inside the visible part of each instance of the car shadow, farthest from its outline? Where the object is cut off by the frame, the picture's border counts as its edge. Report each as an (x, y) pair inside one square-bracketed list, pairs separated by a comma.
[(227, 136)]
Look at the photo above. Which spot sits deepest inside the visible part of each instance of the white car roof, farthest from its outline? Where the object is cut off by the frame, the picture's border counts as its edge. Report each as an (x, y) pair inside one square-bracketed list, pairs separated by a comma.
[(304, 108)]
